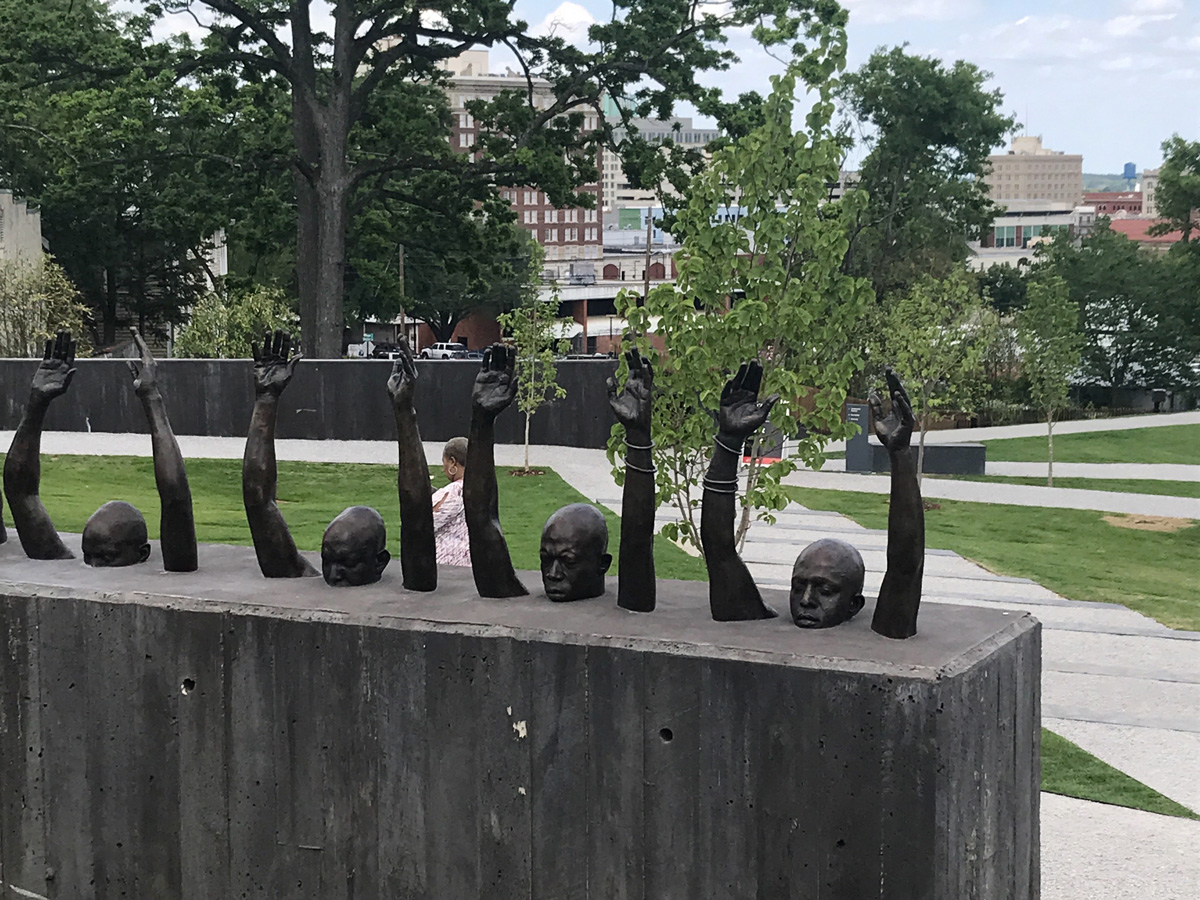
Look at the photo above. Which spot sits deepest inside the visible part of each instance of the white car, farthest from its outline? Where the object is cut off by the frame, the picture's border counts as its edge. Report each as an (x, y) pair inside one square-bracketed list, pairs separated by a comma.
[(444, 351)]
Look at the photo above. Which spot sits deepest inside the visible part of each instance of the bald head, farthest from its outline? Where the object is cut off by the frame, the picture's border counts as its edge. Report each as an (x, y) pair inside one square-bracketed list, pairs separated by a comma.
[(575, 553), (115, 535), (354, 548), (827, 583)]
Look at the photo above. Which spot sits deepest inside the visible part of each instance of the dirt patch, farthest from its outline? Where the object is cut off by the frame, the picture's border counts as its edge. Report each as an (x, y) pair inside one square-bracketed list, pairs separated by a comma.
[(1149, 523), (928, 505), (521, 473)]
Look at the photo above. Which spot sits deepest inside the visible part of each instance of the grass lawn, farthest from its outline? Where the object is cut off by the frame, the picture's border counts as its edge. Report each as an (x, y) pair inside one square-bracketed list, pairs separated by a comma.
[(1119, 485), (1178, 444), (1073, 552), (1070, 770), (310, 495)]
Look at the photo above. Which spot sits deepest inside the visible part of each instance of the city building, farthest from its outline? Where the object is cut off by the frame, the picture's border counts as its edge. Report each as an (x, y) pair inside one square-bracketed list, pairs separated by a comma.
[(1136, 230), (1029, 171), (1115, 203), (1149, 188), (1023, 225), (571, 236), (20, 230), (618, 193)]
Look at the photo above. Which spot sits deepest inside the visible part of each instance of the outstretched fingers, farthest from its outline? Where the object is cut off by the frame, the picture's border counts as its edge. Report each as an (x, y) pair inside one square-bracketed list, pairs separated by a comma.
[(134, 369), (753, 379)]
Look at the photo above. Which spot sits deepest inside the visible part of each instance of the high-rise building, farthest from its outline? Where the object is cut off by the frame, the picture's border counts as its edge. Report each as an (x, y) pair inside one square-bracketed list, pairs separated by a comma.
[(571, 236), (618, 193), (1029, 171)]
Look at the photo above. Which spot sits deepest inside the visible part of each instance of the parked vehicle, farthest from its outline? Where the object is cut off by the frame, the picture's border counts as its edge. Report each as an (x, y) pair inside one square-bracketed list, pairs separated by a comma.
[(444, 351)]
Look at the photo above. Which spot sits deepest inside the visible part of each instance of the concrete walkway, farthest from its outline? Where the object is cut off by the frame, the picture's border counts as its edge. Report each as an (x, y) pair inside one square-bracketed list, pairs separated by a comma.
[(1118, 683), (1001, 492), (1038, 429)]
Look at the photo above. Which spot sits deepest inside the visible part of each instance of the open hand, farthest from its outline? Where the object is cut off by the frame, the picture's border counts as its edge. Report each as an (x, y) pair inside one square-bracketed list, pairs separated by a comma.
[(54, 375), (273, 368), (632, 406), (495, 385), (741, 413), (895, 430), (403, 383), (145, 374)]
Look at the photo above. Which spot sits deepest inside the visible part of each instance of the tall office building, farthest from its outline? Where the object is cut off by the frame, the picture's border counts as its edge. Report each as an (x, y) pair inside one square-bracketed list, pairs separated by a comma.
[(1029, 171)]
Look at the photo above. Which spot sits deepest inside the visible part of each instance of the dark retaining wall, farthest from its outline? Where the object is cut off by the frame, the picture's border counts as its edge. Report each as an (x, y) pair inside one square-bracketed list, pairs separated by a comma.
[(214, 735), (328, 399)]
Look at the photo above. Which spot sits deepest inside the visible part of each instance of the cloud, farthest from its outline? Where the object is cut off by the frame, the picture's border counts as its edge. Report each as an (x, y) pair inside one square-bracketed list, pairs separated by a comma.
[(880, 12), (1143, 38), (569, 21)]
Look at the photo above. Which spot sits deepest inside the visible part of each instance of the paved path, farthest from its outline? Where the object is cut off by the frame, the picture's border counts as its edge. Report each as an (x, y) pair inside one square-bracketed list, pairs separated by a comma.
[(1038, 429), (1002, 492), (1118, 683)]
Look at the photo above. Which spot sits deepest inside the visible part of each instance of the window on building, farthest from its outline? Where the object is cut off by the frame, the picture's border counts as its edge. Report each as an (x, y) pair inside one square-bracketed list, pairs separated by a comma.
[(1005, 235), (464, 139), (531, 197)]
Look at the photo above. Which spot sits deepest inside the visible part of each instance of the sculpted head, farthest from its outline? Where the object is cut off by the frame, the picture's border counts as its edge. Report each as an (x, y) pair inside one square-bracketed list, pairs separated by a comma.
[(354, 548), (575, 553), (115, 535), (827, 583)]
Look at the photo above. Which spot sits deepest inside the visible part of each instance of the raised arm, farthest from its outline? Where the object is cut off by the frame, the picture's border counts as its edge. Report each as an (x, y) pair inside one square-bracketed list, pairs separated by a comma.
[(900, 594), (273, 544), (418, 550), (732, 593), (177, 527), (495, 387), (636, 587), (23, 466)]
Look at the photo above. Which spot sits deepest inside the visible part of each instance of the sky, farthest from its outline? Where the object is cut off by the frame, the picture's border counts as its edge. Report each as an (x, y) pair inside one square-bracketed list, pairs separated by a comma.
[(1111, 79)]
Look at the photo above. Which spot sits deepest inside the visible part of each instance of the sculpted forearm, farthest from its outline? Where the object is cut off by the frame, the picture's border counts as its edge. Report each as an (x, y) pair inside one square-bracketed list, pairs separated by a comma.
[(273, 544), (636, 587), (22, 484), (418, 550), (491, 563), (177, 527)]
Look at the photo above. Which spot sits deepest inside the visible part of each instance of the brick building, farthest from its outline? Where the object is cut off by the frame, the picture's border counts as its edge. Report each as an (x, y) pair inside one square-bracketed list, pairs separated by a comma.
[(1109, 203), (572, 237)]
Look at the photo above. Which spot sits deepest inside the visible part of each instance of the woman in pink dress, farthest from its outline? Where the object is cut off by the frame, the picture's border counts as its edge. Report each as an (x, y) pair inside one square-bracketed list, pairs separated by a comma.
[(449, 517)]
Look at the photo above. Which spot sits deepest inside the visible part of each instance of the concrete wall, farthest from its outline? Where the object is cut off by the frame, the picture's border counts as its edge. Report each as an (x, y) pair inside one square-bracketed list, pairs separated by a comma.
[(328, 399), (215, 735)]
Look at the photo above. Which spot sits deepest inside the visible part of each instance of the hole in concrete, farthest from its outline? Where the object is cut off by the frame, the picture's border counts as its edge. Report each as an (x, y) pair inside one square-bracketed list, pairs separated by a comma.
[(187, 687), (666, 734)]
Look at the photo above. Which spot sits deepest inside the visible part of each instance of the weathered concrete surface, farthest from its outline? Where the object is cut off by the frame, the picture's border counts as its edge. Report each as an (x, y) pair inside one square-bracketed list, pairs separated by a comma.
[(219, 735)]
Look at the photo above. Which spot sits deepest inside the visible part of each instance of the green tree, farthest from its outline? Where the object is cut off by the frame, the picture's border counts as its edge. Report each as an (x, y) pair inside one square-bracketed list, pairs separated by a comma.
[(768, 287), (128, 165), (1003, 287), (929, 129), (1051, 344), (37, 300), (936, 335), (227, 327), (1178, 194), (652, 53), (532, 328), (1137, 308)]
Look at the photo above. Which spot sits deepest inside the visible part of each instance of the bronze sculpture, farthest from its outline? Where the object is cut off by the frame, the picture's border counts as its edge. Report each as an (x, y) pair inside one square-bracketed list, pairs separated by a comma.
[(115, 535), (732, 593), (633, 408), (23, 466), (574, 553), (494, 389), (177, 524), (354, 547), (418, 553), (900, 593), (827, 583)]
